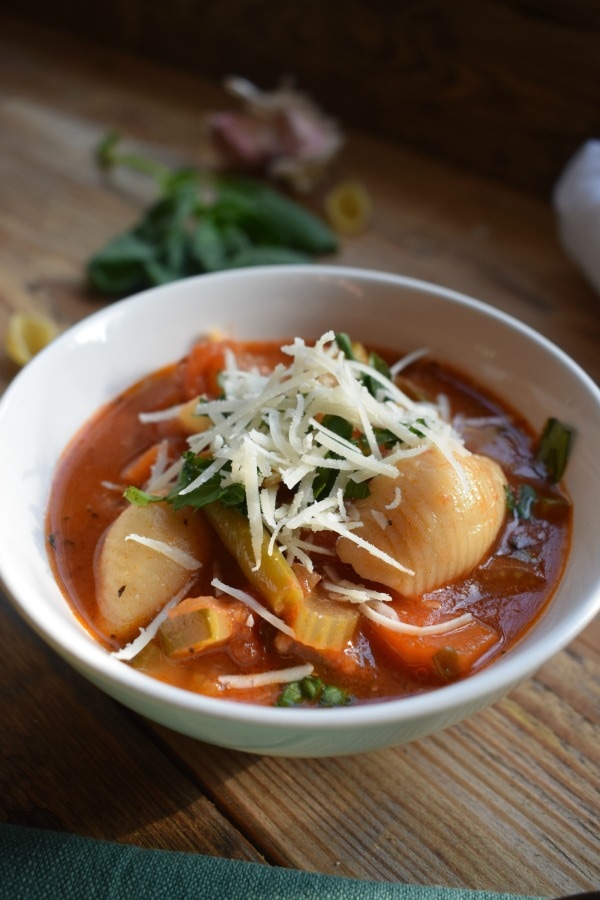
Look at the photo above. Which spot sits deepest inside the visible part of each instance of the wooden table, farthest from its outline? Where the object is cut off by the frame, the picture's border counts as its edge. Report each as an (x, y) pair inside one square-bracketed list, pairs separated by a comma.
[(508, 801)]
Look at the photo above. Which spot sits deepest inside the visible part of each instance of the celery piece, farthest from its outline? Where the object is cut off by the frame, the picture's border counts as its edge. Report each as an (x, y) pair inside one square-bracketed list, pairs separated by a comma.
[(274, 579), (325, 624)]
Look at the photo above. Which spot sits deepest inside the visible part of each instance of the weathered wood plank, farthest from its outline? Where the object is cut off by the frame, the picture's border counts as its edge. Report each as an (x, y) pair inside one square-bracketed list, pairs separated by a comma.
[(72, 761), (478, 806)]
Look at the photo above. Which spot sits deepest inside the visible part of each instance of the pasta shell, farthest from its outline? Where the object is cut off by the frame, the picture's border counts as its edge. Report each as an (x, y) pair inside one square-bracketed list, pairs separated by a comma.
[(441, 528), (134, 580)]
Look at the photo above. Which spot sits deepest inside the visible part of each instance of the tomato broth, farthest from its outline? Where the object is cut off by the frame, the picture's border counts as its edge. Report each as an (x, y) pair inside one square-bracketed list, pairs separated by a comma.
[(504, 592)]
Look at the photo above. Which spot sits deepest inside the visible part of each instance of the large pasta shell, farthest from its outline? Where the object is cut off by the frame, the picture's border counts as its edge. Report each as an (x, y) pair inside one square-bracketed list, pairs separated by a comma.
[(134, 581), (442, 527)]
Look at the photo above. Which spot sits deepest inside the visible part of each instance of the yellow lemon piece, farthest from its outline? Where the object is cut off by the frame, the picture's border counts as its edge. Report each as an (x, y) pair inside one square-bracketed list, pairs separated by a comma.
[(348, 208), (27, 334)]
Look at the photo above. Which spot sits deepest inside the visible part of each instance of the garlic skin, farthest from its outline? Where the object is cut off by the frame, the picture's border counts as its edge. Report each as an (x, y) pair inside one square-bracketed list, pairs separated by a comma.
[(281, 133)]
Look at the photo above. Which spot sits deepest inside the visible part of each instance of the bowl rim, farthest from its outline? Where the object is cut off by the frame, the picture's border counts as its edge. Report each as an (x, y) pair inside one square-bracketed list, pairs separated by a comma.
[(503, 674)]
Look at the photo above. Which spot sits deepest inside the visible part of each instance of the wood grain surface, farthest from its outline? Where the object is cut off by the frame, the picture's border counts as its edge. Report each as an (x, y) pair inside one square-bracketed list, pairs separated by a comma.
[(506, 87), (507, 801)]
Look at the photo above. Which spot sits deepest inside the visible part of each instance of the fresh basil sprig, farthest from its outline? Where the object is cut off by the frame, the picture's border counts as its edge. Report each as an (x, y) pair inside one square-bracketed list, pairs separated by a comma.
[(209, 492), (201, 223)]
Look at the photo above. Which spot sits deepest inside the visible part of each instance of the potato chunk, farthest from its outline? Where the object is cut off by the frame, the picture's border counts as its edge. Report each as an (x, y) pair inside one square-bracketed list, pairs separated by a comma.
[(134, 581), (441, 528)]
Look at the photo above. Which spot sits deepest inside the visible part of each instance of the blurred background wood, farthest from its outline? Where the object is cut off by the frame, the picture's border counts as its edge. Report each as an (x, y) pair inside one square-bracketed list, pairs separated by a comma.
[(509, 88)]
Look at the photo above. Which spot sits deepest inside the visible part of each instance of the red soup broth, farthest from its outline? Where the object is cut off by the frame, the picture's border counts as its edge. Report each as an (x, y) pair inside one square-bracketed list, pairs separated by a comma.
[(505, 593)]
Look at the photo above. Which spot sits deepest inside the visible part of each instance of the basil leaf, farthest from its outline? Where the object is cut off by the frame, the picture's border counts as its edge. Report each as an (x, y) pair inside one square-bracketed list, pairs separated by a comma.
[(323, 482), (270, 218), (386, 438), (338, 425), (209, 492), (375, 362), (357, 490), (187, 231), (379, 364), (165, 226), (345, 344), (554, 448), (121, 266), (325, 477), (521, 503), (208, 247)]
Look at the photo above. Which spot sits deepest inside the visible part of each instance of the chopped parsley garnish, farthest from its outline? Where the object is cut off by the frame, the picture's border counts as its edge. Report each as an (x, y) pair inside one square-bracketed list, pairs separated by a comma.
[(312, 691)]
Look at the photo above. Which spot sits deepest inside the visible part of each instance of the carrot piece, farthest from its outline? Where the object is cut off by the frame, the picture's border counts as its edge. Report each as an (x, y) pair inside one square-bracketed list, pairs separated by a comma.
[(138, 471), (203, 365), (451, 655)]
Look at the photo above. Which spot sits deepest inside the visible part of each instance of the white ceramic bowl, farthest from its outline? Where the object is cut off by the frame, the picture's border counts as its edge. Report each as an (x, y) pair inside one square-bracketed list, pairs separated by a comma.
[(97, 358)]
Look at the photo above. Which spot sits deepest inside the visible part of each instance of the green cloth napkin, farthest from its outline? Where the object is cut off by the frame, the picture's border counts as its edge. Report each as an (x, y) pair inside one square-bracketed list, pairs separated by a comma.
[(40, 864)]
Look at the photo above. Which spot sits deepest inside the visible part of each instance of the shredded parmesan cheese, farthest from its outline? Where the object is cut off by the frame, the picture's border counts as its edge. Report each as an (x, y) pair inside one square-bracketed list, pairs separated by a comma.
[(269, 430), (405, 628), (275, 676), (254, 605), (176, 554)]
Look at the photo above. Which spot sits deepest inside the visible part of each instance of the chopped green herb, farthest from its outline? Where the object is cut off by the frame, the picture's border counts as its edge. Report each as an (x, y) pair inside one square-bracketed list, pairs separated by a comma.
[(325, 477), (345, 344), (311, 690), (333, 696), (357, 490), (378, 365), (522, 502), (375, 362), (386, 438), (338, 425), (141, 498), (209, 492), (291, 695), (554, 448)]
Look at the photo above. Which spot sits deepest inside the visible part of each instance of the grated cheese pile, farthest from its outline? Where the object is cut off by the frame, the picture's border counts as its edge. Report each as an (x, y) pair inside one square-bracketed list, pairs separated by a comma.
[(268, 432)]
